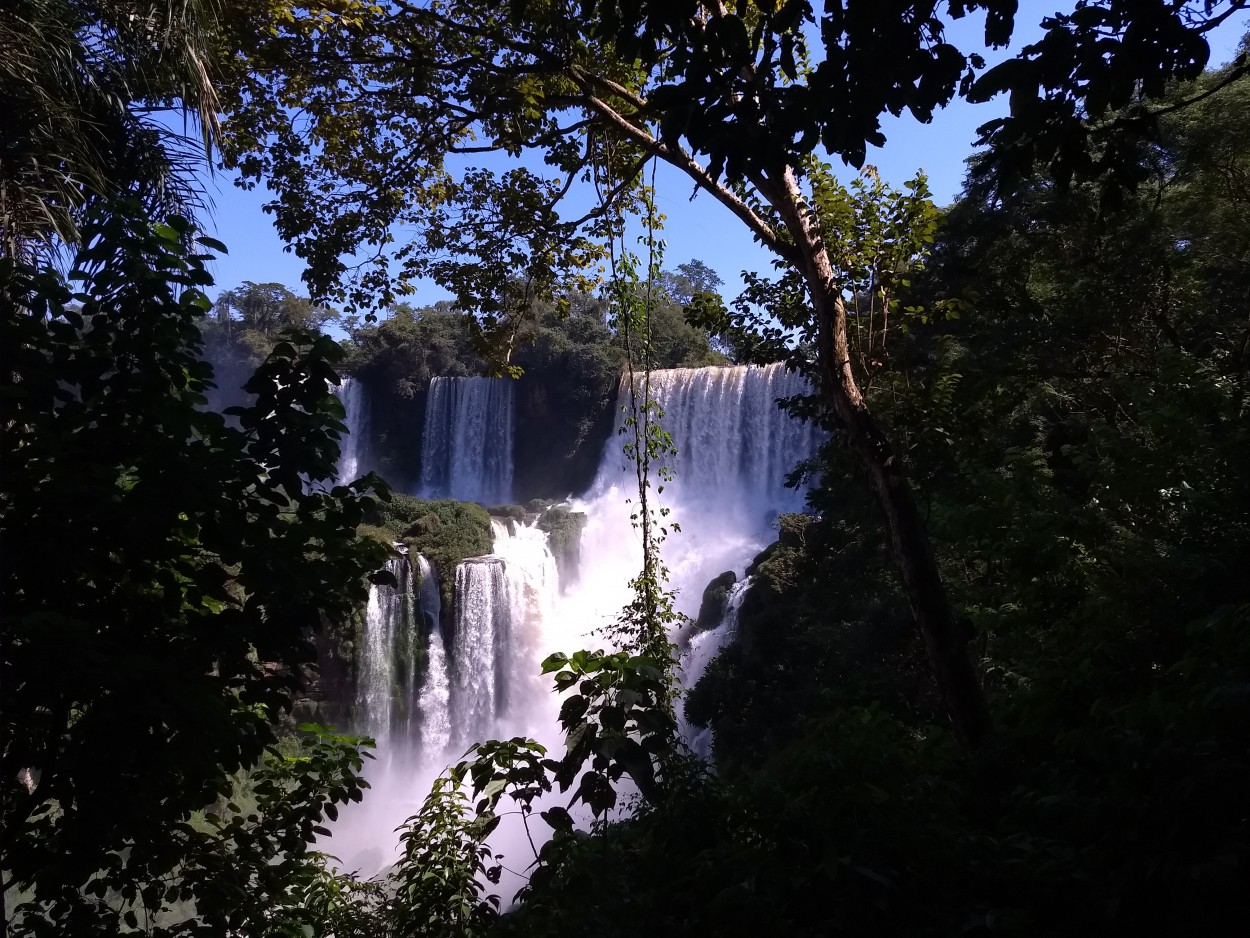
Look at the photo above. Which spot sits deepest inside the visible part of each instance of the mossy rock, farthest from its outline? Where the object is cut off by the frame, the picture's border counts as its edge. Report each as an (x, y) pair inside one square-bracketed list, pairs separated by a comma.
[(382, 535), (791, 536), (715, 596), (564, 539)]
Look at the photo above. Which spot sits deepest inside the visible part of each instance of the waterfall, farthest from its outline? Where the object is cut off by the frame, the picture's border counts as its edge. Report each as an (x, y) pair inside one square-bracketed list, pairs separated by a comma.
[(533, 585), (482, 625), (702, 649), (734, 445), (434, 700), (734, 450), (385, 678), (487, 683), (410, 721), (466, 446), (353, 447), (482, 680), (502, 603)]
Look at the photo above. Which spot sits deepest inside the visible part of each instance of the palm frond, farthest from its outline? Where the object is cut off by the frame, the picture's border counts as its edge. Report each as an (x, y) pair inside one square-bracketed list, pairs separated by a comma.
[(80, 83)]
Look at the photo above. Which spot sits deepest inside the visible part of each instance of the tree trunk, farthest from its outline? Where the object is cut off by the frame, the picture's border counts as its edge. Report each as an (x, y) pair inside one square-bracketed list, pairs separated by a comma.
[(909, 542)]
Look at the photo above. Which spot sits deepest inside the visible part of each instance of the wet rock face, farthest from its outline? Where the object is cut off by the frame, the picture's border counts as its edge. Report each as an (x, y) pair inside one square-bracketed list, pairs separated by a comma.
[(712, 608), (564, 420), (564, 537)]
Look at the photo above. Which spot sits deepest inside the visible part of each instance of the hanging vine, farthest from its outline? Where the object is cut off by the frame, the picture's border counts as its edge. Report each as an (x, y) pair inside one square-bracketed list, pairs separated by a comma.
[(617, 712), (642, 627)]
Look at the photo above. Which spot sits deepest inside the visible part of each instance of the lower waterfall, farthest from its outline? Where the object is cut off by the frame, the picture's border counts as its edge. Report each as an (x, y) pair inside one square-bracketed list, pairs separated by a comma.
[(434, 701), (483, 624), (484, 683), (385, 684)]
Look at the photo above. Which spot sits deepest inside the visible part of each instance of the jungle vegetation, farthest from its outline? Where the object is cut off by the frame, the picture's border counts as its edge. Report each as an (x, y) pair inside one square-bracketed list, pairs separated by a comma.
[(996, 683)]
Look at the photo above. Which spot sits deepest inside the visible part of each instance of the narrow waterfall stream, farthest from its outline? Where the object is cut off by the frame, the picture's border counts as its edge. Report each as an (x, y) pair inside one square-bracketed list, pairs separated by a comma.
[(386, 682), (481, 681), (354, 447), (702, 649), (434, 701)]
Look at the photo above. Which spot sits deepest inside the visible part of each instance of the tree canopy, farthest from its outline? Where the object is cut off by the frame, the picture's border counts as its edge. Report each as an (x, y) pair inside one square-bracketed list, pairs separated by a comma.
[(396, 103), (739, 100)]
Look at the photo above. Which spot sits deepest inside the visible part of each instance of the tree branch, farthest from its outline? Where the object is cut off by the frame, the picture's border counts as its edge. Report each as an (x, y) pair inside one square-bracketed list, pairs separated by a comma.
[(1236, 73), (681, 160)]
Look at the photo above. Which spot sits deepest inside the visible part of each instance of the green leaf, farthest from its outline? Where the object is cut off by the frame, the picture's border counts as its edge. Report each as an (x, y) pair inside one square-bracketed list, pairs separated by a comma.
[(554, 662)]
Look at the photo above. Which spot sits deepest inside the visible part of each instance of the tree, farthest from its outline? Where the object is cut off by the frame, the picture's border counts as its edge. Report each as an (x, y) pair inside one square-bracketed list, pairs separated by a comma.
[(268, 308), (737, 99), (164, 571), (689, 280), (244, 326)]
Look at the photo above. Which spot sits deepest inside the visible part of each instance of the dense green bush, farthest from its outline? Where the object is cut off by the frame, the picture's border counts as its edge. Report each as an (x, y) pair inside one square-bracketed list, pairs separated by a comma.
[(147, 663), (444, 531)]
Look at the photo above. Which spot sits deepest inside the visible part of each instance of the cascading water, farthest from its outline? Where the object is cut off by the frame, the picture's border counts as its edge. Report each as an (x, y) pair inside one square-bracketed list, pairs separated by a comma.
[(466, 446), (484, 683), (502, 604), (434, 701), (533, 588), (386, 677), (353, 447), (482, 627), (702, 649), (734, 448), (734, 445), (397, 700)]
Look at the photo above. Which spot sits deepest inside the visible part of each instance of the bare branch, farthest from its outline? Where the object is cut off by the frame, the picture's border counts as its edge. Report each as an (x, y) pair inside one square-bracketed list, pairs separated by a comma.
[(583, 77)]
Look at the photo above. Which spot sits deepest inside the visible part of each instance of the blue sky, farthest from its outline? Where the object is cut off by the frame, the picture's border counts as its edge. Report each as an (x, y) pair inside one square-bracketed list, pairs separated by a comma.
[(700, 228)]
